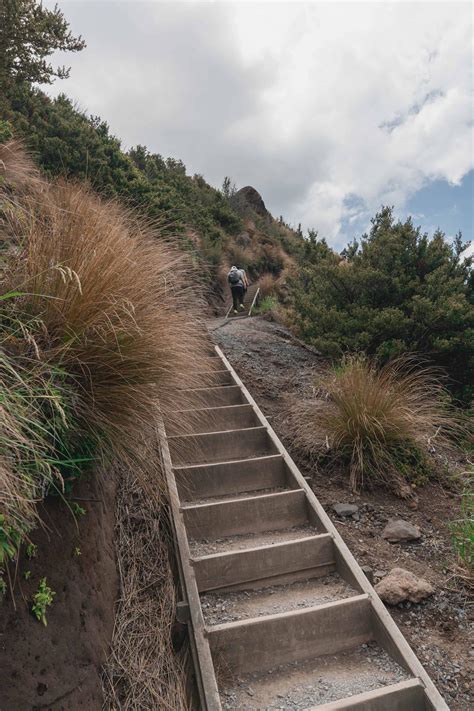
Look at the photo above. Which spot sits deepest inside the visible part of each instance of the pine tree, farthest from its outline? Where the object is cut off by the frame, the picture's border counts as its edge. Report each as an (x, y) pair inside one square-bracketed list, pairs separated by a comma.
[(29, 34)]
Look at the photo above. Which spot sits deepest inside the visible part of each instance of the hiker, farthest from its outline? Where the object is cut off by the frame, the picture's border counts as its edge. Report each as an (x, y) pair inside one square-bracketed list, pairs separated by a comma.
[(238, 283)]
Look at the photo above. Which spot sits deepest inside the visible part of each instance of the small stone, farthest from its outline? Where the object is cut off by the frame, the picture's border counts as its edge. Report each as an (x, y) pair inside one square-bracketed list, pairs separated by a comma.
[(400, 585), (345, 509), (400, 531)]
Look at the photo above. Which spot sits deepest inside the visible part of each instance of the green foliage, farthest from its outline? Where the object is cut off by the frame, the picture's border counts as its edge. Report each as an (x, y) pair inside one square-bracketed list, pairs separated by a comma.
[(269, 303), (29, 34), (10, 539), (6, 131), (42, 599), (396, 292), (31, 550), (77, 509), (3, 586)]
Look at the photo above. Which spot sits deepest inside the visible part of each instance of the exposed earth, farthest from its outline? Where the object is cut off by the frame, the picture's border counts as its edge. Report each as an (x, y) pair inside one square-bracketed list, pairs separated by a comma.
[(59, 666), (276, 367)]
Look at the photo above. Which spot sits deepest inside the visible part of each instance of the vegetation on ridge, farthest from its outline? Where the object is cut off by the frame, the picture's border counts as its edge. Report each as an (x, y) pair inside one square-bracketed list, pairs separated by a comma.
[(98, 325)]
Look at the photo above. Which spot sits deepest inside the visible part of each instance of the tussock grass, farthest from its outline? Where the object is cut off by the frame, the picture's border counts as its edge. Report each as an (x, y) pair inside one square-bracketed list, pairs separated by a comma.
[(267, 285), (462, 531), (383, 424), (99, 322)]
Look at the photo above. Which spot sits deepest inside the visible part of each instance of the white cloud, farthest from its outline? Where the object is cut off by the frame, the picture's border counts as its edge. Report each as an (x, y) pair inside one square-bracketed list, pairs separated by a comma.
[(320, 106)]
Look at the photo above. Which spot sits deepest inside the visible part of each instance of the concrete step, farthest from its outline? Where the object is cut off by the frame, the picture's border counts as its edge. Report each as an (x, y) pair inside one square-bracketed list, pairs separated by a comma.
[(246, 515), (218, 419), (262, 643), (405, 696), (223, 479), (198, 398), (303, 558), (220, 446)]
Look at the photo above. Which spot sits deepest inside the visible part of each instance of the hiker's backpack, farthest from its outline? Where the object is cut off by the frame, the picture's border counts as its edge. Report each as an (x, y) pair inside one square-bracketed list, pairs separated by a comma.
[(234, 277)]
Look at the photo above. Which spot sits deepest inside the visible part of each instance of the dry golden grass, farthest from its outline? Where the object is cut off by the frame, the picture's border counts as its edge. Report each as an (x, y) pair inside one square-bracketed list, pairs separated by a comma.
[(267, 285), (371, 419), (100, 305)]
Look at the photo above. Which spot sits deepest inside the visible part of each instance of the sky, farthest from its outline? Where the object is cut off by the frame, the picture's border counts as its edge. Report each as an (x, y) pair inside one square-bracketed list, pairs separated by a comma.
[(328, 109)]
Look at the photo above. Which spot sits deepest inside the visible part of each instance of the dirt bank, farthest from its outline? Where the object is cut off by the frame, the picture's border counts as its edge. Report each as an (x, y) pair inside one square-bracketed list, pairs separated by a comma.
[(59, 666), (274, 365)]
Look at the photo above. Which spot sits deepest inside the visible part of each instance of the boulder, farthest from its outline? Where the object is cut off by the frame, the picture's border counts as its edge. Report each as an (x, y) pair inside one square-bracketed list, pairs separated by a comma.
[(399, 531), (400, 585), (345, 509)]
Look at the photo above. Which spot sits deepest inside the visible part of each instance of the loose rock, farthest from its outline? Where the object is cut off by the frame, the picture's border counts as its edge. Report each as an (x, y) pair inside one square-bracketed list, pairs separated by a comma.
[(345, 509), (400, 585), (400, 531)]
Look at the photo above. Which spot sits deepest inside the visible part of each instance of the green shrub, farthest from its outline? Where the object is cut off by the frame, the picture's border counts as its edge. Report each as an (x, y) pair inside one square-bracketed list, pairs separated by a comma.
[(397, 292)]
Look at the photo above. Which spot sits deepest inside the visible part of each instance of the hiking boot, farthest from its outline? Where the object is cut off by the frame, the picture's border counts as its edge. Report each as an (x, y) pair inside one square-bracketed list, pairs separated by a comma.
[(235, 311), (242, 306)]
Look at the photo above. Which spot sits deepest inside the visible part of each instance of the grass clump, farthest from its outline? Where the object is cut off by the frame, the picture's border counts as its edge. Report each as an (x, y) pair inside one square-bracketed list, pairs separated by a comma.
[(462, 530), (98, 325), (382, 424), (267, 305)]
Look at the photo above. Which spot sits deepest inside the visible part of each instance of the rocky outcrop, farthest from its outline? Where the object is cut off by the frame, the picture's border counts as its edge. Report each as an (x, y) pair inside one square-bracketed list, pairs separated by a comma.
[(247, 199)]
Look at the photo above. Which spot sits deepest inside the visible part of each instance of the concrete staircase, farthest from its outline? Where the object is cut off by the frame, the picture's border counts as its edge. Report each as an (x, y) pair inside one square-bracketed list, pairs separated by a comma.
[(280, 614), (249, 298)]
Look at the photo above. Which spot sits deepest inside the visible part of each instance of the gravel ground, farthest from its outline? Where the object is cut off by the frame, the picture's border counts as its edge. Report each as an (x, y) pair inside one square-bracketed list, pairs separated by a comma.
[(228, 607), (299, 686), (251, 540)]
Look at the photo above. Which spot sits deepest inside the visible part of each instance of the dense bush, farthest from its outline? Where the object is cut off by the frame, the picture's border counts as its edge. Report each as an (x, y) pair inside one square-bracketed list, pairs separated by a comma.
[(398, 291), (99, 324), (381, 424)]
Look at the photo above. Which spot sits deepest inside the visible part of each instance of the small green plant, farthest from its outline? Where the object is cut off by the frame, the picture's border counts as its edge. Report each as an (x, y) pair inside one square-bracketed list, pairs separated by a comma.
[(77, 509), (27, 574), (31, 551), (42, 599), (269, 303), (77, 552), (10, 539), (3, 587)]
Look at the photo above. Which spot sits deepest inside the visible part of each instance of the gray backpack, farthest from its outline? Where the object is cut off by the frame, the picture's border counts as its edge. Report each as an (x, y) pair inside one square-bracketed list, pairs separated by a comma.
[(234, 277)]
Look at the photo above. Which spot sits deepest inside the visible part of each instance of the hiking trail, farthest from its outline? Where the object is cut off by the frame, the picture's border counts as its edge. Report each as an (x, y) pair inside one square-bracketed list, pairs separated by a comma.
[(280, 613)]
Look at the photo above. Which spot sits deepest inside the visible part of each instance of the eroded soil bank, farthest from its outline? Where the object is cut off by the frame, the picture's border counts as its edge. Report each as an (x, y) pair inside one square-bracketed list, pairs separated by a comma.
[(274, 366), (59, 666)]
